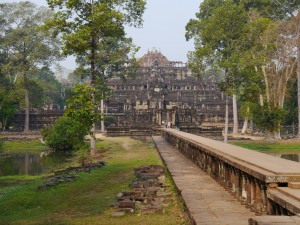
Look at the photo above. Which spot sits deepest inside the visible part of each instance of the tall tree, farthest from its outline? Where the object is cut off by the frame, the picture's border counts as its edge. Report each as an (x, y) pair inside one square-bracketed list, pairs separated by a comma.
[(93, 30), (286, 9), (216, 32), (25, 45)]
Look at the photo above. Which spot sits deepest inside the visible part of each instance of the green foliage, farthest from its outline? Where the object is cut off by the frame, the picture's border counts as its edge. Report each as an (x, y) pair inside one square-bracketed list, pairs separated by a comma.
[(84, 157), (51, 88), (64, 134), (94, 32), (68, 131), (26, 48), (36, 93), (81, 106), (291, 104), (245, 39), (217, 31), (246, 110), (109, 120), (9, 101), (268, 117)]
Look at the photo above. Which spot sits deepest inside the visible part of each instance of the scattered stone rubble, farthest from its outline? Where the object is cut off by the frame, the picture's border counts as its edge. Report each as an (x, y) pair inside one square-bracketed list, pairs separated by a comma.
[(69, 174), (148, 192)]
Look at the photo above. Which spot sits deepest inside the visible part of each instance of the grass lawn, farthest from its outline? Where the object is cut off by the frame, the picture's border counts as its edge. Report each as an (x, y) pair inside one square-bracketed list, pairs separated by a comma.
[(87, 199), (33, 146), (280, 146)]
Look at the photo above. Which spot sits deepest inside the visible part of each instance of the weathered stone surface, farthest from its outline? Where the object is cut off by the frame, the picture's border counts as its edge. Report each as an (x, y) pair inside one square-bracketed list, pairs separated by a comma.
[(63, 176), (294, 185), (274, 220), (127, 204), (149, 172), (232, 164), (286, 197), (144, 194), (206, 201), (163, 90)]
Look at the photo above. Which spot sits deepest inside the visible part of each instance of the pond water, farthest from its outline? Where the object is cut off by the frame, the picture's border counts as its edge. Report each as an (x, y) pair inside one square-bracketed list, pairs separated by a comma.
[(292, 157), (30, 164)]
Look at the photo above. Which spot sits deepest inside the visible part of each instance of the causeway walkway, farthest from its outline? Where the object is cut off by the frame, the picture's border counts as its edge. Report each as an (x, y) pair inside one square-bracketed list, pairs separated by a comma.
[(207, 202)]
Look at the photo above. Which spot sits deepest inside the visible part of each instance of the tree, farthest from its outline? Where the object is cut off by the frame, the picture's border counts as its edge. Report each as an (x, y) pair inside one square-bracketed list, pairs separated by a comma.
[(25, 45), (93, 30), (69, 131), (273, 56), (216, 31), (261, 58), (283, 10)]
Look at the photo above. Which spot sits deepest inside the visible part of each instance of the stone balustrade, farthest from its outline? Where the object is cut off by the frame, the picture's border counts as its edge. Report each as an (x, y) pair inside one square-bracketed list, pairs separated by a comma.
[(258, 180)]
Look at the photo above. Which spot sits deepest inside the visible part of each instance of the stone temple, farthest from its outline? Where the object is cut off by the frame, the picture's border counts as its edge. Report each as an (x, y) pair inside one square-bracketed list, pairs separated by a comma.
[(165, 91)]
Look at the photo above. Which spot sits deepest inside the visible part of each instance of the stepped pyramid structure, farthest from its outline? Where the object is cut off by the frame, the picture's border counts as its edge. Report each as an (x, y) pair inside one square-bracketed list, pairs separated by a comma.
[(165, 91)]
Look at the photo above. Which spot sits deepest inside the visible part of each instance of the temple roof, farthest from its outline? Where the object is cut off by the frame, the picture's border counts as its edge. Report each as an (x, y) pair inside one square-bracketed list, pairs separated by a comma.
[(154, 58)]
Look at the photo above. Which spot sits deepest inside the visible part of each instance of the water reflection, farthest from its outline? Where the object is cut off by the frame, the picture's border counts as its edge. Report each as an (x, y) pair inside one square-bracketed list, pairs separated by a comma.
[(29, 164), (292, 157)]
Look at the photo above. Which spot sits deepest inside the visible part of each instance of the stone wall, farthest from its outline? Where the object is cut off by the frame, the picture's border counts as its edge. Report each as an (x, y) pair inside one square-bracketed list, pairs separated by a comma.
[(265, 184), (163, 91)]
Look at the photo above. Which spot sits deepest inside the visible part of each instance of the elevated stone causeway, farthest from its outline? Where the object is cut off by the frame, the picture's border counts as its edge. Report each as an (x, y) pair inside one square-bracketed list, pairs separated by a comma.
[(207, 202), (266, 185)]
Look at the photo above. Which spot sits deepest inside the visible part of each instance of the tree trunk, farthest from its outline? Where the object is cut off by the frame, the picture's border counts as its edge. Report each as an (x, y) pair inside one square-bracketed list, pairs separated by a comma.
[(251, 126), (26, 125), (298, 89), (235, 115), (261, 100), (93, 137), (226, 120), (263, 68), (93, 81), (245, 126), (102, 116), (93, 141)]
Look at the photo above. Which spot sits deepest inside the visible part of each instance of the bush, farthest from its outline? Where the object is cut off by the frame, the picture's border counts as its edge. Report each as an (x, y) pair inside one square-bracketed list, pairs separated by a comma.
[(109, 120), (65, 134), (269, 118)]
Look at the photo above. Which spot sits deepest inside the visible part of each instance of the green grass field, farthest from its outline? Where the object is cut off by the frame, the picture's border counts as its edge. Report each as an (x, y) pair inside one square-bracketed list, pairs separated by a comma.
[(87, 199), (33, 146), (264, 146)]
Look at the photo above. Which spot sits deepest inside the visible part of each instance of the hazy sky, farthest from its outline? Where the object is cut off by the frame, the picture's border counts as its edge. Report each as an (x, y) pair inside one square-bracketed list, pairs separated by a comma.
[(163, 28)]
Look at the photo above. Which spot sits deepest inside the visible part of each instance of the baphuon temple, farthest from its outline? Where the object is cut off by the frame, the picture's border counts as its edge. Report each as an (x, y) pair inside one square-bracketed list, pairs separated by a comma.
[(165, 91)]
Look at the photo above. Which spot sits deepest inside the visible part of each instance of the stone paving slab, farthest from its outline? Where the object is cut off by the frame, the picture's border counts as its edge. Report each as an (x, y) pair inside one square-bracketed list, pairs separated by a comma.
[(292, 193), (207, 201), (275, 220)]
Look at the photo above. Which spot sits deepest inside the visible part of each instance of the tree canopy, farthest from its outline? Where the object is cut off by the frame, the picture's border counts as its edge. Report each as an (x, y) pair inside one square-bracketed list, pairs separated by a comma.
[(255, 43), (24, 46), (93, 30)]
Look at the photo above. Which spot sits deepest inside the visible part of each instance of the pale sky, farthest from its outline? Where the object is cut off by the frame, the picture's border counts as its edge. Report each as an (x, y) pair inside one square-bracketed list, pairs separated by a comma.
[(163, 28)]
